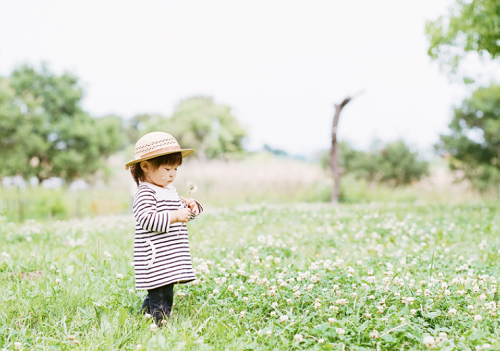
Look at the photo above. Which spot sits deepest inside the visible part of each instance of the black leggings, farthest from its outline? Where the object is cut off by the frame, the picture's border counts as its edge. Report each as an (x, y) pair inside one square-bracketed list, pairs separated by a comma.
[(158, 302)]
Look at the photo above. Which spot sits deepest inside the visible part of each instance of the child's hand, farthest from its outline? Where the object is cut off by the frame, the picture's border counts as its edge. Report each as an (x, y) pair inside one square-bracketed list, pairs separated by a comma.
[(182, 215), (193, 206)]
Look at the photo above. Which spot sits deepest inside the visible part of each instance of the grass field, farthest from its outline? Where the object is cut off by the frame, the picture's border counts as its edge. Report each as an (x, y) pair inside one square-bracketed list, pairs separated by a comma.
[(390, 276)]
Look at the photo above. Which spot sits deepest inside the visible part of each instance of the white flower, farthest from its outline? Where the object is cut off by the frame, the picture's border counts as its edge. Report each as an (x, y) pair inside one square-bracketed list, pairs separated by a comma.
[(269, 333), (231, 311), (216, 291), (478, 318), (341, 302), (58, 281), (230, 288), (289, 301), (331, 321), (298, 338), (284, 318), (273, 313), (5, 254), (374, 334), (138, 347), (243, 314), (192, 187), (131, 291), (148, 316), (321, 341), (17, 345), (340, 331), (452, 312), (153, 327), (119, 276), (429, 342)]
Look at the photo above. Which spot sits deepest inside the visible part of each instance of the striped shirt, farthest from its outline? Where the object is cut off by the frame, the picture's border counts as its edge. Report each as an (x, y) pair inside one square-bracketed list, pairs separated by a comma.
[(161, 248)]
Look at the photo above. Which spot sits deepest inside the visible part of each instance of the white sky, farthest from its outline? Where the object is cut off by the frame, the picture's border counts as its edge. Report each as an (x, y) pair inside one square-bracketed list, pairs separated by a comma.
[(279, 64)]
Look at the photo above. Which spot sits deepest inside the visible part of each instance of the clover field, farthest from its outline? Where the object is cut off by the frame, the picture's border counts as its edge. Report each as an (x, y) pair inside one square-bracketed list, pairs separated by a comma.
[(386, 276)]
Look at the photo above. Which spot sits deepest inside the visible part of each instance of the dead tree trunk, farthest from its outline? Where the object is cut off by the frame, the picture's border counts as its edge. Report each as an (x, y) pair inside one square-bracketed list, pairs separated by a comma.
[(334, 165)]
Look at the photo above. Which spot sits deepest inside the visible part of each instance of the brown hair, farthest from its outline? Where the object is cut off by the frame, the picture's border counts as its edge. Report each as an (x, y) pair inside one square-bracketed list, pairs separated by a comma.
[(174, 159)]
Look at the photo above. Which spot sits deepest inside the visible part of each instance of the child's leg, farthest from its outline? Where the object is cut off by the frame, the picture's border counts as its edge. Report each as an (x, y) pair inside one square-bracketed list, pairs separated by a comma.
[(145, 305), (160, 301)]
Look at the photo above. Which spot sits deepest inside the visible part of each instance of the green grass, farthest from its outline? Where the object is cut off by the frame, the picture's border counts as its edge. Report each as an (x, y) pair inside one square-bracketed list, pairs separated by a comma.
[(264, 252)]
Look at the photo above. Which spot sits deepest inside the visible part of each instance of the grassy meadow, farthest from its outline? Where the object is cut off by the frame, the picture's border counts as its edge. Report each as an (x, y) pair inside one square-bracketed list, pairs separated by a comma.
[(379, 276), (278, 268)]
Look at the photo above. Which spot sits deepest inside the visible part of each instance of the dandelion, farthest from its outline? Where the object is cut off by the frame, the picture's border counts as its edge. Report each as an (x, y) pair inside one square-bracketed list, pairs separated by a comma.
[(298, 338)]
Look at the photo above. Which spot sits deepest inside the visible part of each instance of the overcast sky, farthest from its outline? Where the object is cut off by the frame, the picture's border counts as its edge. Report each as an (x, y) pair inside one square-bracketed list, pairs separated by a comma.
[(280, 65)]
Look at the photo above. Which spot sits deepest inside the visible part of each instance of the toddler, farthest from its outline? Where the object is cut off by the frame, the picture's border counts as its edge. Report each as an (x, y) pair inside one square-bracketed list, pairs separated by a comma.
[(161, 246)]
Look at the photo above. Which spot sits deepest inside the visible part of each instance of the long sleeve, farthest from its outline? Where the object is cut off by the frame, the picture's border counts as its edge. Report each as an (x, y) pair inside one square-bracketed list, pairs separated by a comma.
[(146, 213)]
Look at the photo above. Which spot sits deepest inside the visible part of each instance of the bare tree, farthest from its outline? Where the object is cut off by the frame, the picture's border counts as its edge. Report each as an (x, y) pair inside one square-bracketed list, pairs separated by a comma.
[(334, 164)]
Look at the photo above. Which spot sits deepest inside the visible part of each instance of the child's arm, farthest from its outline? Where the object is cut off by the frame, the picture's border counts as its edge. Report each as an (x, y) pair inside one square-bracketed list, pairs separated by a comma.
[(148, 217)]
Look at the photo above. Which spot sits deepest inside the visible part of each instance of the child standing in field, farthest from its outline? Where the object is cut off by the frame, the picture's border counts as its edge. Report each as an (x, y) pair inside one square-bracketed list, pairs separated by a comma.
[(161, 246)]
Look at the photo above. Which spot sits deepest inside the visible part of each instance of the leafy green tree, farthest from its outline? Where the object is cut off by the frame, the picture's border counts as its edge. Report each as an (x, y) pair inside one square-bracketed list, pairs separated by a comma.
[(470, 26), (474, 141), (393, 163), (46, 133), (205, 126)]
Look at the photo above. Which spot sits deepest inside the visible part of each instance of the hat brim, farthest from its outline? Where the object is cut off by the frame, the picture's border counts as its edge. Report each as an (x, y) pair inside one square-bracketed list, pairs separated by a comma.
[(184, 153)]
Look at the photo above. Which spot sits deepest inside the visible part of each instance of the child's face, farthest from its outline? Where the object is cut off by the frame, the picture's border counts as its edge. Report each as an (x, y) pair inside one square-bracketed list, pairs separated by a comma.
[(162, 176)]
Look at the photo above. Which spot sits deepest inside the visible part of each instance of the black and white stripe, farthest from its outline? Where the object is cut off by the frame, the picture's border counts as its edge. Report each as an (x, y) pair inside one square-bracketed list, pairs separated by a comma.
[(161, 249)]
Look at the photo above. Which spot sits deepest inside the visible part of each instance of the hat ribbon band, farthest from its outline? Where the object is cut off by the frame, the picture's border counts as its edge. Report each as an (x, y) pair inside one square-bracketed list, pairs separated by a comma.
[(170, 148)]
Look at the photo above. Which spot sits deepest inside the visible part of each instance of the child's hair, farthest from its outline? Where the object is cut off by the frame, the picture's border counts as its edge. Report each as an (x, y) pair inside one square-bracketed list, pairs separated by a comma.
[(174, 159)]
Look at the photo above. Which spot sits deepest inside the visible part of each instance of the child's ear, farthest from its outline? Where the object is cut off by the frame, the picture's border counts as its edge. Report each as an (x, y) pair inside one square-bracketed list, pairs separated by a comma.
[(145, 166)]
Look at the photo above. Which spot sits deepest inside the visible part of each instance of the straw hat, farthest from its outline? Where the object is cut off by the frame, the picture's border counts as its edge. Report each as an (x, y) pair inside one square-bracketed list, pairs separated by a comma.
[(156, 144)]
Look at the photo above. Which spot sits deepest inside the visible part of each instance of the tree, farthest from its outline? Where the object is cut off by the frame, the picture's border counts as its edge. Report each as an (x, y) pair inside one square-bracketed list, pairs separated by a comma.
[(474, 141), (205, 126), (394, 163), (471, 26), (45, 132), (334, 165)]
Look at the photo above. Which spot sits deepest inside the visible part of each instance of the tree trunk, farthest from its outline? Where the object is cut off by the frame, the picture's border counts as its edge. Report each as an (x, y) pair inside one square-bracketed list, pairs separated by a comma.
[(334, 165)]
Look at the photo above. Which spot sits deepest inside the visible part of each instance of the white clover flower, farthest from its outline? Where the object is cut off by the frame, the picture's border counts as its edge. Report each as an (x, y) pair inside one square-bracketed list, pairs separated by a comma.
[(5, 254), (374, 334), (452, 312), (321, 341), (478, 318), (17, 345), (269, 333), (340, 331), (341, 302), (243, 314), (298, 338), (284, 318), (153, 327), (429, 342), (273, 313), (231, 311), (289, 301), (131, 291), (260, 332), (58, 281), (119, 276)]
